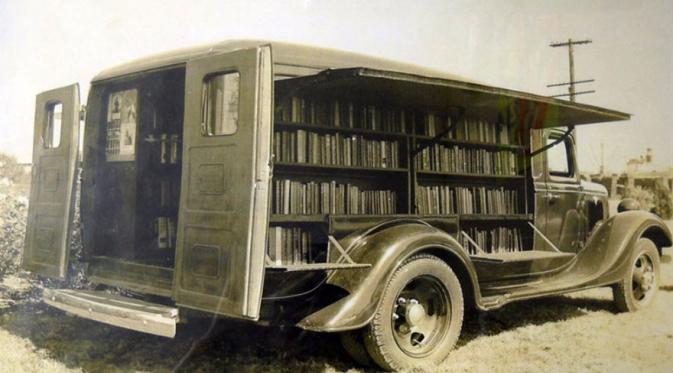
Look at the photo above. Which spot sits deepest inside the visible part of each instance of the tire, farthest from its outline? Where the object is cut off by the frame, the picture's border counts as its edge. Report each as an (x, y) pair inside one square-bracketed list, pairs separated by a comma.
[(353, 342), (402, 334), (639, 286)]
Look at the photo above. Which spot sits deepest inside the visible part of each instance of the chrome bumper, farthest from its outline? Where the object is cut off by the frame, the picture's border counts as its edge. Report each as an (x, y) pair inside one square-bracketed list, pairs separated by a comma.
[(115, 310)]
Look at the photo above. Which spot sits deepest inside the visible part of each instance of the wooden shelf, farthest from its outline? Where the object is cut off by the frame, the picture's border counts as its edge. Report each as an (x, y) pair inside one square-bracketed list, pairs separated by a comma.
[(315, 267), (294, 218), (521, 256), (332, 129), (484, 217), (466, 175), (475, 144), (297, 218), (282, 166)]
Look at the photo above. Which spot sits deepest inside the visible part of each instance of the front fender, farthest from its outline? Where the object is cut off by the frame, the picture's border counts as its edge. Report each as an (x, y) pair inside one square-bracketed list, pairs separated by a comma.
[(609, 247), (385, 250)]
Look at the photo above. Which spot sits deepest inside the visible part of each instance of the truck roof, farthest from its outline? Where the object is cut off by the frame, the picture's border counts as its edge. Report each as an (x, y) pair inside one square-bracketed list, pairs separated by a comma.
[(346, 68), (289, 59)]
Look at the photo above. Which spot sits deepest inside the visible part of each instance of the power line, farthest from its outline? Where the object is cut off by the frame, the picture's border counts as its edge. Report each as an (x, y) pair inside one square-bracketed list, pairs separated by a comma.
[(571, 68)]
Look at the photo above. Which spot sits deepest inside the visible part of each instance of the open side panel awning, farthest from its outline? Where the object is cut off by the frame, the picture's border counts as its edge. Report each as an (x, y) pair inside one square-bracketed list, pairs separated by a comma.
[(490, 103)]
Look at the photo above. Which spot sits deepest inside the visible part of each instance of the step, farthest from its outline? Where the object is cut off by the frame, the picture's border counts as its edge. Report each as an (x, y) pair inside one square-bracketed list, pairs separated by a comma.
[(521, 256), (316, 267), (115, 310)]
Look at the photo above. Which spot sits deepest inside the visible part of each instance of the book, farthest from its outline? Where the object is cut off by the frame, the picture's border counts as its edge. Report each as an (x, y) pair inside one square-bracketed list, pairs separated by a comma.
[(302, 146), (275, 247), (316, 198), (459, 159), (444, 199), (493, 240), (289, 245)]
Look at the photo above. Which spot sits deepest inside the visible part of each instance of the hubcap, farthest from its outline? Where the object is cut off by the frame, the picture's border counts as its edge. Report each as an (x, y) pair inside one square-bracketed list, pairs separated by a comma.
[(643, 279), (421, 316)]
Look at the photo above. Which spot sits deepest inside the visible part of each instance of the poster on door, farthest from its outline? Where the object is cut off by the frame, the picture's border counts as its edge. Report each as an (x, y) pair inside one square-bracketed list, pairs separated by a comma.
[(122, 118)]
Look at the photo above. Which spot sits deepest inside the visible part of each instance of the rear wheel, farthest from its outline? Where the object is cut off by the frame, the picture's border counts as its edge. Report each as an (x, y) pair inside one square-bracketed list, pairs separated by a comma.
[(419, 317), (639, 287)]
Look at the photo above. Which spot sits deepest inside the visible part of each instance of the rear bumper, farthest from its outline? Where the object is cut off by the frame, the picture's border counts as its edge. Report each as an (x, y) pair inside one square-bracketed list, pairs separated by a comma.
[(115, 310)]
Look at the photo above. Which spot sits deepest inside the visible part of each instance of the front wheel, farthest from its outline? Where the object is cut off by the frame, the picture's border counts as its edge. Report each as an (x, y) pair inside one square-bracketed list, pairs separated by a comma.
[(639, 287), (420, 315)]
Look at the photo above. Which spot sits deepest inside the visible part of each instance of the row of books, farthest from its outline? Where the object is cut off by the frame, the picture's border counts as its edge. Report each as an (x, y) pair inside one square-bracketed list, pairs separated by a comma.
[(467, 130), (492, 241), (289, 246), (444, 158), (341, 114), (444, 199), (347, 114), (315, 198), (354, 151)]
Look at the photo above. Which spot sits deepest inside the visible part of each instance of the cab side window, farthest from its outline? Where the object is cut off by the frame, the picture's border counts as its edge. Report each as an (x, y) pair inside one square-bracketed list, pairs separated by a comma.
[(537, 164), (560, 159)]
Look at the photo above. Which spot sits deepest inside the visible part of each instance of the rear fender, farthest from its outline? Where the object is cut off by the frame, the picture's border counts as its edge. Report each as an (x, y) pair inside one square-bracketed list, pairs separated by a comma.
[(609, 247), (385, 249)]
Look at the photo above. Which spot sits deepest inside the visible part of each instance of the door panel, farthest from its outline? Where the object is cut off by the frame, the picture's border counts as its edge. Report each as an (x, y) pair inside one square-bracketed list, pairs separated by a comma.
[(563, 197), (225, 183), (564, 216), (538, 170), (55, 147)]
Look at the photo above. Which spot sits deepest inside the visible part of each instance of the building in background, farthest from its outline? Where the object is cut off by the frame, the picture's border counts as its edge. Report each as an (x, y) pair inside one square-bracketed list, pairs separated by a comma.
[(643, 172)]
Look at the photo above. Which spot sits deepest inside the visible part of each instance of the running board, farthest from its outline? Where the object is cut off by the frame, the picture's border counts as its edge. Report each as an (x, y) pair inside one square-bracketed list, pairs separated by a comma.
[(115, 310)]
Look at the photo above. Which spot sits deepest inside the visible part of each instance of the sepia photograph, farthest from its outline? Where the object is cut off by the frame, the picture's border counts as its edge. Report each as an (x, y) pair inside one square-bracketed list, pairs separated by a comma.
[(336, 186)]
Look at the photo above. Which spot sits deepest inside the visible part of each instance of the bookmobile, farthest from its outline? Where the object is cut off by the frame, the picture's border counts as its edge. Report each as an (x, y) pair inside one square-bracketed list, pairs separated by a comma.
[(340, 193)]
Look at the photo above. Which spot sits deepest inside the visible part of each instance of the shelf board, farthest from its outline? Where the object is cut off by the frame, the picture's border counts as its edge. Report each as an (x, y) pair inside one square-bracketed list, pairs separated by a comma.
[(324, 128), (471, 143), (294, 218), (521, 256), (482, 217), (317, 167), (315, 267), (468, 175)]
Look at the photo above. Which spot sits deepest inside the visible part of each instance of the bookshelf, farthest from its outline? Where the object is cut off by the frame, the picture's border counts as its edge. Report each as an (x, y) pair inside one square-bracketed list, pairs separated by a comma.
[(354, 157)]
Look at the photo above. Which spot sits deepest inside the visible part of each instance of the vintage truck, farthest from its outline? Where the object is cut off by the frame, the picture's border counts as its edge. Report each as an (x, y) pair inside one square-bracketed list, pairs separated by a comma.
[(340, 193)]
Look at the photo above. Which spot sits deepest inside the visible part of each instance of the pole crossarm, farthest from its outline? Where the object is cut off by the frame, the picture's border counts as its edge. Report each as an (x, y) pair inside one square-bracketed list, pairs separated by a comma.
[(569, 83), (570, 42), (574, 93)]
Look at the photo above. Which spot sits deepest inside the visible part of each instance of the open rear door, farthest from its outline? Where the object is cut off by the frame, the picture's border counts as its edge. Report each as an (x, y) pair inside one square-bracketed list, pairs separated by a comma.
[(55, 146), (224, 197)]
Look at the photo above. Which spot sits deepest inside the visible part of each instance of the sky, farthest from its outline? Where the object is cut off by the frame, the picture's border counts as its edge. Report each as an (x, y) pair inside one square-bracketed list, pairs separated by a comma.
[(47, 44)]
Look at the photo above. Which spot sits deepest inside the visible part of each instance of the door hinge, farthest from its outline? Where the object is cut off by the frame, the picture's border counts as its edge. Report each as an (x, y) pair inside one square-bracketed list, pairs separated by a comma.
[(82, 112)]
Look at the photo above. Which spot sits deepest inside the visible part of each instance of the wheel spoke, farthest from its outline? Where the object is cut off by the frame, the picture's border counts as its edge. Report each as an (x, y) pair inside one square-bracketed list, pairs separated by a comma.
[(426, 326), (638, 293)]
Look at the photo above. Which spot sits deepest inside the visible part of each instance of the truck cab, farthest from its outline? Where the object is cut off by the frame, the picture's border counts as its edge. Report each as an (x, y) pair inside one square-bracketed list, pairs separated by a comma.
[(331, 191)]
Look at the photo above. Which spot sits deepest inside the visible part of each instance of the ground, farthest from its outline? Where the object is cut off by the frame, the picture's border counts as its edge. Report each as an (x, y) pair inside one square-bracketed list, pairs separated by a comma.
[(579, 332), (574, 333)]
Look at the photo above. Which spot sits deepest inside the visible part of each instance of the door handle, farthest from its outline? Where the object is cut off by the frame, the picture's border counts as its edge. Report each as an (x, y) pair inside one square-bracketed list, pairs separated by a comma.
[(551, 197)]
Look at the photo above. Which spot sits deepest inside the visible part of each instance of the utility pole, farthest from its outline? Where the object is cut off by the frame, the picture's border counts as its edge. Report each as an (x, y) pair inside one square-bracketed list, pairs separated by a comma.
[(571, 66), (602, 161)]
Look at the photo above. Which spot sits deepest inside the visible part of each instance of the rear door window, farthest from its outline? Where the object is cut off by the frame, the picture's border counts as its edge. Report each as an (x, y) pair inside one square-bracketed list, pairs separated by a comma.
[(220, 104)]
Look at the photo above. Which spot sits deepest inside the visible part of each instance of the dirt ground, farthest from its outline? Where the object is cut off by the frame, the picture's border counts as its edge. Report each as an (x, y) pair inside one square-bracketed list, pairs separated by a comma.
[(580, 332), (574, 333)]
